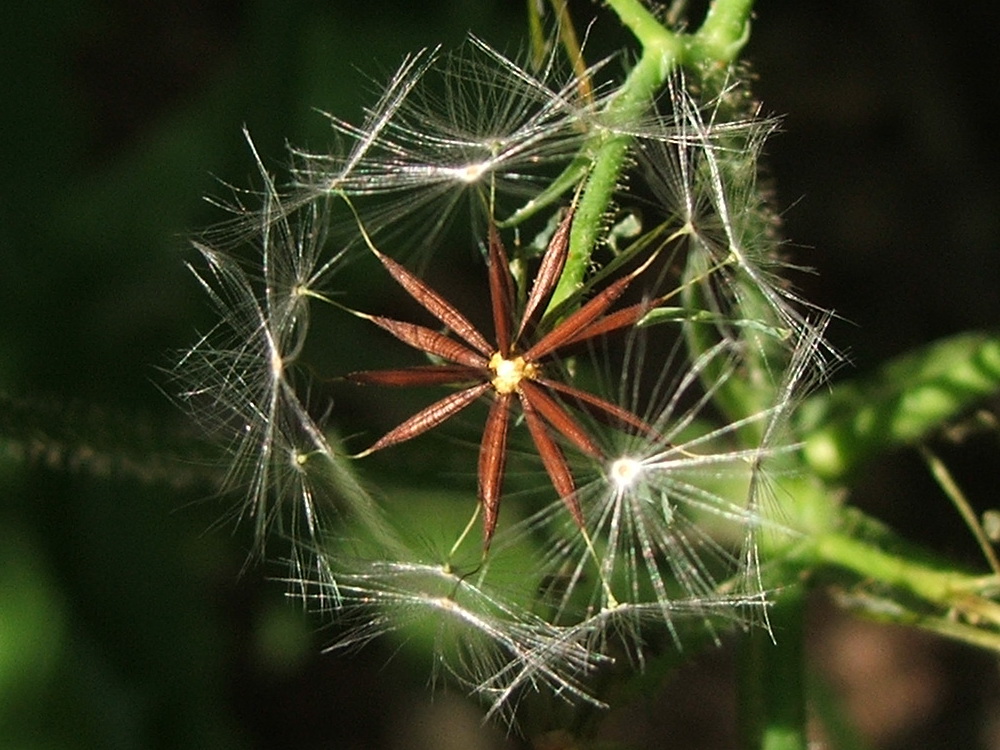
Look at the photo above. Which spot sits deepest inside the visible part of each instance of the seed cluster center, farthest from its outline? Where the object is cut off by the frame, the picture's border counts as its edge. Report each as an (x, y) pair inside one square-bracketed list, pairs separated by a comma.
[(508, 373)]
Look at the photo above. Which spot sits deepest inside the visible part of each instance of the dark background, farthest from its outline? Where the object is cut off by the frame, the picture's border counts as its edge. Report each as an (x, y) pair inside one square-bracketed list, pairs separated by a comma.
[(124, 621)]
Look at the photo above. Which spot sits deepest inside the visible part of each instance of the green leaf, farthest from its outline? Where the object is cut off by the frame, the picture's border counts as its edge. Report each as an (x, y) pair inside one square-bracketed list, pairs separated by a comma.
[(904, 400)]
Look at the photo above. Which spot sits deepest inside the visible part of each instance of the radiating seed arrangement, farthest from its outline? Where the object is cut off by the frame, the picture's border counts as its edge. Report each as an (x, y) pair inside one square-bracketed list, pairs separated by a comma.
[(509, 368), (626, 403)]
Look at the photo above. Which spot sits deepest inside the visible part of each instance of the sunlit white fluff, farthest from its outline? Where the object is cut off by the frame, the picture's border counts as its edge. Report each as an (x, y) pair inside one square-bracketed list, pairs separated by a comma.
[(473, 124), (481, 639), (674, 517), (702, 164), (240, 378)]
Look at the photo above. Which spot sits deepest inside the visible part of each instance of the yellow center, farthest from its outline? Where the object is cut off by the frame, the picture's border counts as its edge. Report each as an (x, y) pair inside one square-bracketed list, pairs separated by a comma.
[(508, 373)]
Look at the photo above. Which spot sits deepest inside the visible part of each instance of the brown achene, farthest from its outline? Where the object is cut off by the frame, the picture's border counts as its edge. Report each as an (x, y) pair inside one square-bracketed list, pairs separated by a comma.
[(509, 369)]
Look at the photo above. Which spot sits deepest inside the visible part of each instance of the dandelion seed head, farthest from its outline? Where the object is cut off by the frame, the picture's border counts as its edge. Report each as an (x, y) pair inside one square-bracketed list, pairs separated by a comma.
[(668, 502)]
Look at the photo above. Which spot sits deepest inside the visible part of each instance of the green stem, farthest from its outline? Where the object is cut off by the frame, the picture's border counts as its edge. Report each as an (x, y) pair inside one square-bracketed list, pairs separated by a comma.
[(834, 538), (631, 102), (772, 681), (947, 588), (647, 29), (722, 35)]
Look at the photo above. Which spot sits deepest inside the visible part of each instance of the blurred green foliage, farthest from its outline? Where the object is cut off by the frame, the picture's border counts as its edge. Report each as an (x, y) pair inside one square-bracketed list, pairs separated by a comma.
[(124, 621)]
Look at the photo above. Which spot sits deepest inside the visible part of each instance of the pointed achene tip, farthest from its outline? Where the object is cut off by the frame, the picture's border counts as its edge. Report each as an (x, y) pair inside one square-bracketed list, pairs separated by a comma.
[(491, 514), (572, 503), (490, 518), (487, 541)]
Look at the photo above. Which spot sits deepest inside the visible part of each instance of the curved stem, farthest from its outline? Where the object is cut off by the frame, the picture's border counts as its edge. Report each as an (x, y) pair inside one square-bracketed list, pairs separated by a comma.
[(722, 35)]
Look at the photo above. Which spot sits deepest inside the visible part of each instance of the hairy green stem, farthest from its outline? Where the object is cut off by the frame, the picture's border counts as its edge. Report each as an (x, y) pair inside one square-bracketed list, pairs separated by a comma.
[(647, 29), (842, 542), (631, 103), (722, 35)]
